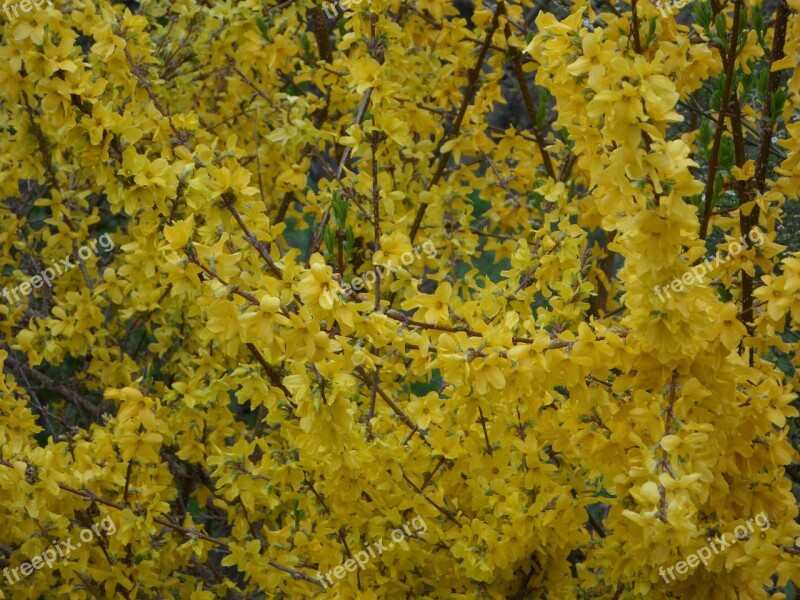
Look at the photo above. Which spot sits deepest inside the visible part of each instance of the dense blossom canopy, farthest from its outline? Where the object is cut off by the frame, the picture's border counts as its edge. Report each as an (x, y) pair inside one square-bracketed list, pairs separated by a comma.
[(402, 262)]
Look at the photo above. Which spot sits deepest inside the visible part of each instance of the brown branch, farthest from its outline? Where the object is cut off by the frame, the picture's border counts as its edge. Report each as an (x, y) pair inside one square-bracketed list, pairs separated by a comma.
[(189, 532), (145, 85), (713, 159), (316, 240), (442, 510), (234, 289), (376, 217), (362, 375), (74, 397), (516, 65), (598, 303), (228, 201), (665, 466), (485, 433), (762, 159), (284, 207), (272, 373), (744, 190), (373, 394), (128, 473), (429, 476), (322, 35), (472, 86), (637, 42)]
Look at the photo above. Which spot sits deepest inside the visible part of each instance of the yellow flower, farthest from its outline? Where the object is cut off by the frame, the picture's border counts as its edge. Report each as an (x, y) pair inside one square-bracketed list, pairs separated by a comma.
[(426, 410), (179, 233), (730, 329), (392, 249), (746, 172), (317, 287), (437, 306)]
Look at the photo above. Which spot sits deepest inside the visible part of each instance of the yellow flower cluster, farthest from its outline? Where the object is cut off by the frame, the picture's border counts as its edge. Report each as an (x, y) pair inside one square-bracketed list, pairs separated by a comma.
[(218, 388)]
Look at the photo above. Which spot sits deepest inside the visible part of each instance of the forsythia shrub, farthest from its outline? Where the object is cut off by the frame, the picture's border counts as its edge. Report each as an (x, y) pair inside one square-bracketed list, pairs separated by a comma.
[(345, 272)]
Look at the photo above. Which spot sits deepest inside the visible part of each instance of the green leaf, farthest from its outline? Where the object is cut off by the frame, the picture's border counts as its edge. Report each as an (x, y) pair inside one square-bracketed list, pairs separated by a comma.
[(718, 181), (747, 82), (761, 83), (541, 110), (791, 591), (651, 33), (564, 135), (305, 44), (720, 25), (148, 377), (716, 99), (330, 240), (776, 108), (340, 209), (758, 25), (263, 28), (704, 136), (726, 154), (742, 32), (758, 20), (702, 15), (350, 241)]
